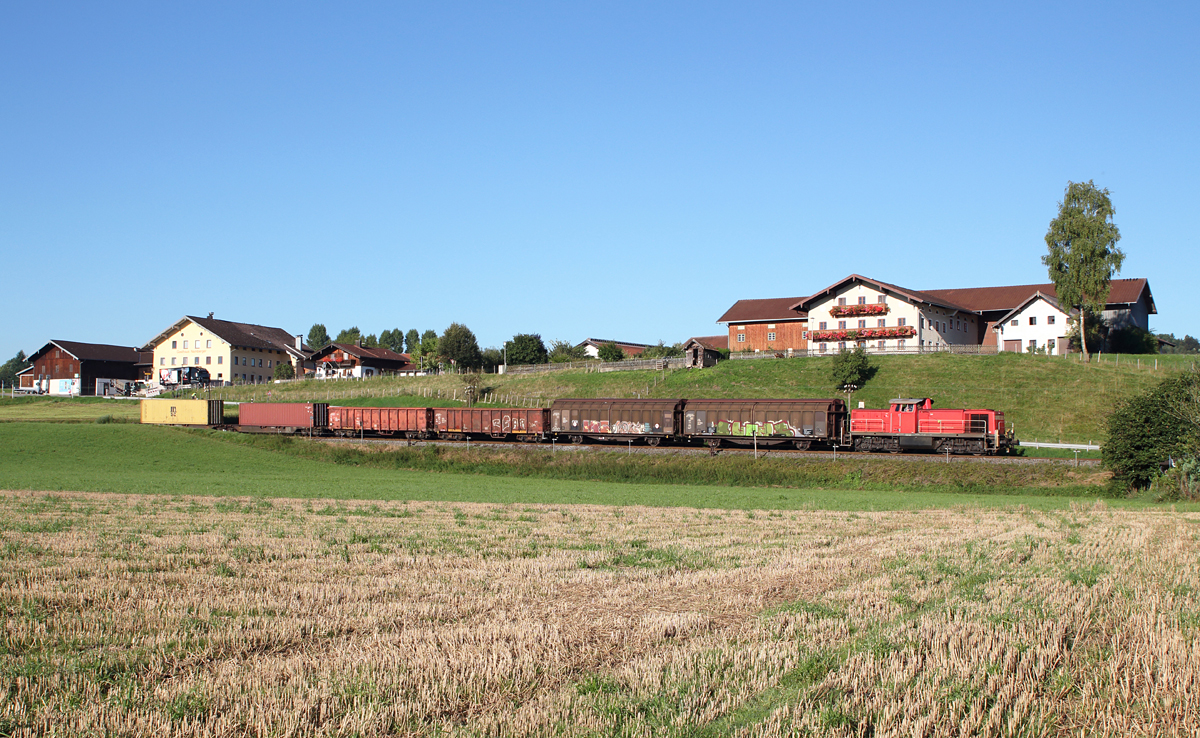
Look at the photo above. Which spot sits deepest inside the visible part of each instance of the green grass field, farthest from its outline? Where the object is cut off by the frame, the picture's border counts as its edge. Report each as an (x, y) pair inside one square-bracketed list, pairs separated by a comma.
[(129, 458), (1045, 398), (67, 409)]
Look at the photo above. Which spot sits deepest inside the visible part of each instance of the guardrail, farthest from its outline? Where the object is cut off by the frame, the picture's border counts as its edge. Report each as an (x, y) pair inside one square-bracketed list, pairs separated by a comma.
[(1069, 446)]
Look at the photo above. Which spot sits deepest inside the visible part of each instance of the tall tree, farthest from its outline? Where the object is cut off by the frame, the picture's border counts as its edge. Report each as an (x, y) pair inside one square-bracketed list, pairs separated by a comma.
[(392, 340), (348, 335), (371, 341), (459, 346), (8, 371), (318, 337), (412, 341), (526, 348), (1083, 253)]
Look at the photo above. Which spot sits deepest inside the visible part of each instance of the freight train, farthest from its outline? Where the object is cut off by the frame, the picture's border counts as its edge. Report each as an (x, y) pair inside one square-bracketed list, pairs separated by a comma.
[(907, 425)]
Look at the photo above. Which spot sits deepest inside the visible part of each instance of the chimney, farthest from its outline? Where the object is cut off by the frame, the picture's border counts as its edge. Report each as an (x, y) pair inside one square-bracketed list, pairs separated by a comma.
[(210, 315), (299, 342), (358, 342)]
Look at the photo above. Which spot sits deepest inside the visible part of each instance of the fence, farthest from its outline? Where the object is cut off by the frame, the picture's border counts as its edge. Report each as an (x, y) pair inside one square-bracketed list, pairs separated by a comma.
[(963, 349), (628, 365)]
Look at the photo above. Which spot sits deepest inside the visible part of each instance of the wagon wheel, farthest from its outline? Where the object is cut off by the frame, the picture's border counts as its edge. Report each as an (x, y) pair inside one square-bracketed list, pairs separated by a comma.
[(653, 441), (576, 439), (803, 445), (714, 442)]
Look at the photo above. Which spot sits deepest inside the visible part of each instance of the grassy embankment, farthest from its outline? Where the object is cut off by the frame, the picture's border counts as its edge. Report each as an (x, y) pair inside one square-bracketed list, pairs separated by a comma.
[(140, 459), (1045, 398), (67, 409)]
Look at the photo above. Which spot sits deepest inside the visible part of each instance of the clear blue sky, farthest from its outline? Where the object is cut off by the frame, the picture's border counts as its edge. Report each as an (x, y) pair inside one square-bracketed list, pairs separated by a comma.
[(614, 170)]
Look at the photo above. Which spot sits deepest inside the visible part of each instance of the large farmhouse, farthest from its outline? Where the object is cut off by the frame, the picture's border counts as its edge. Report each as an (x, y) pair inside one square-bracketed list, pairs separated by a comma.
[(880, 316), (75, 368), (231, 352)]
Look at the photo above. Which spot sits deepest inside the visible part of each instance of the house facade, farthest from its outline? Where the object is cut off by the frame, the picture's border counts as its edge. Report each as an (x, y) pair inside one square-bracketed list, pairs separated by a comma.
[(339, 360), (231, 352), (879, 316), (76, 368), (771, 324), (1039, 324)]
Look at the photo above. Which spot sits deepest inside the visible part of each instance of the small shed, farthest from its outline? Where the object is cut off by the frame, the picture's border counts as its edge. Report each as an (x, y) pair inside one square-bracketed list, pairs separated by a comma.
[(702, 351)]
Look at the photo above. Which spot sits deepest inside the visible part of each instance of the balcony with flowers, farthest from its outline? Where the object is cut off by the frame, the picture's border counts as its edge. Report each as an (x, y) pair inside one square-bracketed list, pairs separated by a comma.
[(847, 311), (861, 334)]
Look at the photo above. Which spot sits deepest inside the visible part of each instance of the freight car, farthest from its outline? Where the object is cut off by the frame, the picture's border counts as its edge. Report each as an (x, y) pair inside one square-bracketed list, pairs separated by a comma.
[(799, 423), (183, 412), (283, 417), (410, 422), (504, 423), (648, 421), (913, 424)]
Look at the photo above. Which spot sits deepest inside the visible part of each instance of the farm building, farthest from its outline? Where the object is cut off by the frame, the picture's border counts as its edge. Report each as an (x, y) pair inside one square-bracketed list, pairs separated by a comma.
[(591, 347), (704, 351), (75, 368), (773, 324), (353, 360), (1038, 324), (231, 352)]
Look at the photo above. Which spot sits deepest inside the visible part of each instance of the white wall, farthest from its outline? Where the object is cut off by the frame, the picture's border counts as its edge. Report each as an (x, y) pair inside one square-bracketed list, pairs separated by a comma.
[(1042, 331), (928, 322)]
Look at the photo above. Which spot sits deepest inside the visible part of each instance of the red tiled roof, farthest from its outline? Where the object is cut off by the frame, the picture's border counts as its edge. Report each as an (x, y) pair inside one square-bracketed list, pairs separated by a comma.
[(913, 295), (1120, 292), (363, 352), (772, 308), (93, 351)]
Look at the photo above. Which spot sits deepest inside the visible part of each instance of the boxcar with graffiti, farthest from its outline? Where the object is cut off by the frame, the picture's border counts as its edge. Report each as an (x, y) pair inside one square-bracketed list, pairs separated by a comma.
[(799, 423)]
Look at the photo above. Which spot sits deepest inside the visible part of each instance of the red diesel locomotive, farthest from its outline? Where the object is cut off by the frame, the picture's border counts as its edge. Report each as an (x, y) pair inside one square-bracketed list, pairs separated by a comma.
[(913, 424)]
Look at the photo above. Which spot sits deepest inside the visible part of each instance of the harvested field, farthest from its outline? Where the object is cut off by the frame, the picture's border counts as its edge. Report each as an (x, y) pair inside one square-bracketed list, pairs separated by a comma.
[(193, 616)]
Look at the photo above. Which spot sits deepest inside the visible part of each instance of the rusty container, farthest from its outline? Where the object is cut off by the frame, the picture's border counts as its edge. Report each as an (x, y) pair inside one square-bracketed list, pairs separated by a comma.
[(381, 420), (494, 422), (284, 414), (618, 418)]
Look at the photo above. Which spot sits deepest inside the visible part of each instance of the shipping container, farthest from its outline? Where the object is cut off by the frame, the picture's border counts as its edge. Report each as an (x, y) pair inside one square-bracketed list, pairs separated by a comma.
[(413, 422), (799, 423), (528, 423), (283, 414), (615, 419), (183, 412)]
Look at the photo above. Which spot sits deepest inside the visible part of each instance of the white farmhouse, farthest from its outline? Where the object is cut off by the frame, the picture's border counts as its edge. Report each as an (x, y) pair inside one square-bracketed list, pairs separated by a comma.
[(1039, 323)]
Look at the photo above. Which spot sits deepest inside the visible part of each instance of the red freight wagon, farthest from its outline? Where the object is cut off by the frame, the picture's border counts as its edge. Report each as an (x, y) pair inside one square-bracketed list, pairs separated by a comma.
[(914, 424), (412, 422), (528, 424), (283, 416)]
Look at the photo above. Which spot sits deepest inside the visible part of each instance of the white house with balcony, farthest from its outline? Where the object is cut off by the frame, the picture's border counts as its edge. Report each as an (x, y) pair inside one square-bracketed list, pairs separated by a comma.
[(1038, 324)]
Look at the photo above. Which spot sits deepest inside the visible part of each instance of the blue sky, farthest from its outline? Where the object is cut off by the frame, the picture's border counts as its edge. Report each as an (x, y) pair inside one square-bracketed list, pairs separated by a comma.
[(623, 171)]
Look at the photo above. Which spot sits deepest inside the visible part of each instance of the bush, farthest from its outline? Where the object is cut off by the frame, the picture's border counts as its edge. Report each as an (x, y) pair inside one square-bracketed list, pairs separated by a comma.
[(284, 370), (850, 368), (1132, 340), (611, 352), (1181, 482), (1146, 430)]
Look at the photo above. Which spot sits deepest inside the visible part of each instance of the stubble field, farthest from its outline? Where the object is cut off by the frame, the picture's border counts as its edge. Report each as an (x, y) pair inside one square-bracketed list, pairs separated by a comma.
[(182, 616)]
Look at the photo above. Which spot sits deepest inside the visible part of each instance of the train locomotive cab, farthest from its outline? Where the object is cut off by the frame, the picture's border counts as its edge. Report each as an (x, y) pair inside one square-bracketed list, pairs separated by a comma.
[(914, 424)]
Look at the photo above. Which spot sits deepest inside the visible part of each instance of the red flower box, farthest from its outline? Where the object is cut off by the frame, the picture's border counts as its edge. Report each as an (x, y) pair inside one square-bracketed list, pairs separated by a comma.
[(857, 334), (877, 308)]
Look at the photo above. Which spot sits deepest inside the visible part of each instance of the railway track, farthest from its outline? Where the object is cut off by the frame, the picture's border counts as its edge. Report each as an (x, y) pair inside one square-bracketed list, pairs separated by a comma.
[(704, 451)]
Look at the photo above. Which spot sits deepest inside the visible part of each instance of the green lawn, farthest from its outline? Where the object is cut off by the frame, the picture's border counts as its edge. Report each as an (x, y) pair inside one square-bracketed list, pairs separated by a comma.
[(130, 458), (67, 409)]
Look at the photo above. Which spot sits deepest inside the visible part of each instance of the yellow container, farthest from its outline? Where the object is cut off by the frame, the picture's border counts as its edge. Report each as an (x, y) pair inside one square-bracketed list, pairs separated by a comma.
[(183, 412)]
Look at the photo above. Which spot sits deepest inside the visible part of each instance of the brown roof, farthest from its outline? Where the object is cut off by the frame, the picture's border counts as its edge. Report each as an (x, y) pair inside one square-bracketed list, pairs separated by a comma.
[(93, 351), (912, 295), (712, 342), (363, 352), (1120, 292), (771, 308), (249, 334)]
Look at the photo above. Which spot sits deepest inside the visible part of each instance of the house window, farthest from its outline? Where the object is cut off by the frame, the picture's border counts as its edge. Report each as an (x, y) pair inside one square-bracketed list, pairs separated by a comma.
[(1032, 344), (922, 322), (172, 361), (207, 359), (1014, 323), (841, 345), (162, 361), (208, 344), (902, 321), (881, 323), (862, 324), (220, 359), (260, 363), (822, 325), (881, 345), (841, 325), (900, 344), (741, 338), (804, 336), (174, 344), (862, 300), (824, 347), (770, 336), (1049, 320), (1033, 320), (841, 301)]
